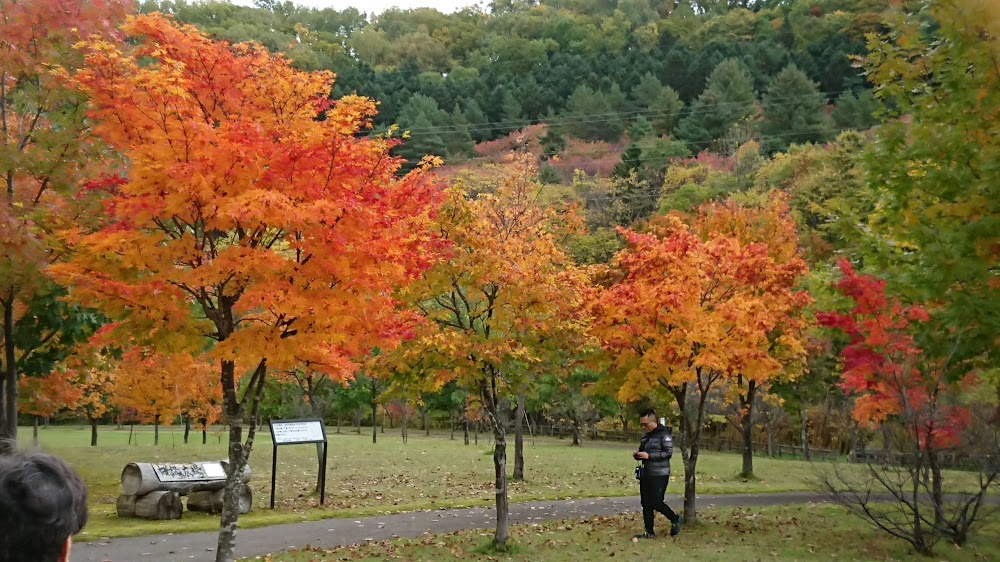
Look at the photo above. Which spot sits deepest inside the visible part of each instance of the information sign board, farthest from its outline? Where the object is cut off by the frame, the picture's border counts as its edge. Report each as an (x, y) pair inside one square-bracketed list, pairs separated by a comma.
[(289, 432), (298, 432)]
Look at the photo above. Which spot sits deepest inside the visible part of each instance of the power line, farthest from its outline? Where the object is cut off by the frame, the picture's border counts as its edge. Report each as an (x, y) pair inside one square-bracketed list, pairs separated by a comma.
[(594, 118)]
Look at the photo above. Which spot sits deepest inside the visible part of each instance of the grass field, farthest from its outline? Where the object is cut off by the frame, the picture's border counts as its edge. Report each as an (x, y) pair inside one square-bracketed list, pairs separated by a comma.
[(367, 479), (812, 532)]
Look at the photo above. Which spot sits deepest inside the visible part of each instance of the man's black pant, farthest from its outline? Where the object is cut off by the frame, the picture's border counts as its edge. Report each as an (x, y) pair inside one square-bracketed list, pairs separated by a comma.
[(651, 491)]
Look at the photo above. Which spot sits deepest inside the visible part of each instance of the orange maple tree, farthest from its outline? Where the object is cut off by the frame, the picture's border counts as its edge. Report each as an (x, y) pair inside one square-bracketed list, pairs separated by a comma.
[(502, 305), (253, 223), (91, 368), (45, 151), (769, 224), (157, 387), (691, 309), (43, 397)]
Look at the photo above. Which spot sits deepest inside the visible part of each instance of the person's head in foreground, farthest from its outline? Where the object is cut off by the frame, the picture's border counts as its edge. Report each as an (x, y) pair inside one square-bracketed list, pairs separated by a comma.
[(43, 503)]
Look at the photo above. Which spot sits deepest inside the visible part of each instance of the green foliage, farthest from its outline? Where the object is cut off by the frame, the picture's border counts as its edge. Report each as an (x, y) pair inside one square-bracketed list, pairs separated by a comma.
[(646, 91), (459, 140), (827, 191), (523, 61), (589, 116), (598, 246), (429, 126), (794, 111), (935, 171), (728, 98), (856, 110), (665, 110), (49, 328)]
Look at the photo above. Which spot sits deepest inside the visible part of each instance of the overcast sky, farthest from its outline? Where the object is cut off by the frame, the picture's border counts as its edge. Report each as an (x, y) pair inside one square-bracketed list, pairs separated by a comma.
[(379, 6)]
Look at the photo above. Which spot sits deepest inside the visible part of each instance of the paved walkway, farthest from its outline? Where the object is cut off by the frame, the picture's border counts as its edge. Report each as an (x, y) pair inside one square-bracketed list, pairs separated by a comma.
[(329, 533)]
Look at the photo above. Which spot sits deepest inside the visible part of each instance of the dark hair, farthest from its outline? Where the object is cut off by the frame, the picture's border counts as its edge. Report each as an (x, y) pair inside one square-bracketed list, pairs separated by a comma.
[(647, 413), (42, 502)]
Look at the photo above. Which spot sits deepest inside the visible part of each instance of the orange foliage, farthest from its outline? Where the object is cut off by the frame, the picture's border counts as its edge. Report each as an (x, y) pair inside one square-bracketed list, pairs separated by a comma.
[(45, 396), (245, 219), (592, 158), (157, 387), (508, 292), (705, 299), (524, 140)]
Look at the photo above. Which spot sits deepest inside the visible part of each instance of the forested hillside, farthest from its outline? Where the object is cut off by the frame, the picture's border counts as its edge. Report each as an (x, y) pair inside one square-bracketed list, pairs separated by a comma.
[(711, 74)]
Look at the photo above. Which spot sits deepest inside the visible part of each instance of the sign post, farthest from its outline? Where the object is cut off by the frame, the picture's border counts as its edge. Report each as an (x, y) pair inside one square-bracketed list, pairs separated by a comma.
[(298, 432)]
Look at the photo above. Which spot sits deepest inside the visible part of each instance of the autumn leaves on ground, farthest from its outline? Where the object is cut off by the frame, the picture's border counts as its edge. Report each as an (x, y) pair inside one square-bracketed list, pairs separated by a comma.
[(196, 230)]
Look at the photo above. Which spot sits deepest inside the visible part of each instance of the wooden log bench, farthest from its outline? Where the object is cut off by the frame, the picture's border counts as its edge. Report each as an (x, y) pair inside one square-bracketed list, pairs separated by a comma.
[(211, 501), (154, 490)]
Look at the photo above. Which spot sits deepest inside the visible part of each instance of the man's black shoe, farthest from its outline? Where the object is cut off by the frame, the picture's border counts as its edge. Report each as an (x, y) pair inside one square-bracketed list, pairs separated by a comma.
[(646, 536), (675, 526)]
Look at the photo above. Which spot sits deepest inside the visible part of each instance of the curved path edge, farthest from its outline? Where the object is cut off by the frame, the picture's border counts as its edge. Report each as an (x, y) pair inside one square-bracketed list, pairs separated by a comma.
[(329, 533)]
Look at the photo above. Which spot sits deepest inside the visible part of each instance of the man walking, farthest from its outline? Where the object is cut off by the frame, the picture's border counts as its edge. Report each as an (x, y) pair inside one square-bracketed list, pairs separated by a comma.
[(655, 450)]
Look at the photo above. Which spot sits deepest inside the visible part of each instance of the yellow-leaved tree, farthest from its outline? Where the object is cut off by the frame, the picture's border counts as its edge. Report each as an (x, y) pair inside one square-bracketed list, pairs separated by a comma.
[(504, 304)]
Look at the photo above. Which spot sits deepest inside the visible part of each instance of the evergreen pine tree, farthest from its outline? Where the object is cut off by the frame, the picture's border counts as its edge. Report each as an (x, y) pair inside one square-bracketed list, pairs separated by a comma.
[(794, 111), (856, 111), (479, 125), (459, 142), (728, 98), (665, 111), (647, 91)]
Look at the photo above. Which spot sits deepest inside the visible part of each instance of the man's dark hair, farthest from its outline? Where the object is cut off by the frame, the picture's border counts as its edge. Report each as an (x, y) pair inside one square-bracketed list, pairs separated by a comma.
[(42, 502), (647, 413)]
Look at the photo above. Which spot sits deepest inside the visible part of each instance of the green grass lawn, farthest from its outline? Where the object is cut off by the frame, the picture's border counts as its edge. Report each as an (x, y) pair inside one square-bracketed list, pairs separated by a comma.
[(791, 533), (368, 479)]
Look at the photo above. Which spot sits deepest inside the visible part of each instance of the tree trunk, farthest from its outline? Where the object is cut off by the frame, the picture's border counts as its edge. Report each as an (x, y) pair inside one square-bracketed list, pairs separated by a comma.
[(519, 439), (34, 431), (406, 423), (8, 430), (576, 432), (937, 494), (805, 433), (93, 432), (239, 452), (691, 444), (500, 466), (488, 391), (771, 439), (426, 421), (691, 484), (374, 419), (204, 430), (187, 427), (156, 430), (465, 429), (746, 423), (451, 424)]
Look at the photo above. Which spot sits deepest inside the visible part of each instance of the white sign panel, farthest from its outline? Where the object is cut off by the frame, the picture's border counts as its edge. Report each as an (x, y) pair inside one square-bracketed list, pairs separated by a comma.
[(307, 431), (189, 472)]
